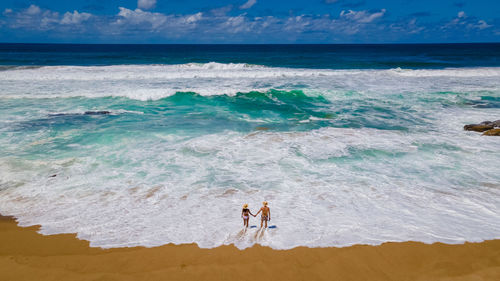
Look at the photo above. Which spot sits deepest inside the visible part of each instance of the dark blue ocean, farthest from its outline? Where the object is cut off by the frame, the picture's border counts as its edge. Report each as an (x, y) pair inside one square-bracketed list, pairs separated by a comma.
[(146, 145), (411, 56)]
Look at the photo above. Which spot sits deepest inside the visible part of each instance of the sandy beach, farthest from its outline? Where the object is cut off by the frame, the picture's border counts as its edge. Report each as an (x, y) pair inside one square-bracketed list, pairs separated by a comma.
[(27, 255)]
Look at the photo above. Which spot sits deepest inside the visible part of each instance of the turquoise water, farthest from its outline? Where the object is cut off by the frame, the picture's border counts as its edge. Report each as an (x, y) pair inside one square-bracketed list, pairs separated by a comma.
[(149, 154)]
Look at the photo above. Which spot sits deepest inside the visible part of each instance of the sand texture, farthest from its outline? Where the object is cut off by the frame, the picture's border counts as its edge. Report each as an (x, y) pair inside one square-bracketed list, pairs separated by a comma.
[(27, 255)]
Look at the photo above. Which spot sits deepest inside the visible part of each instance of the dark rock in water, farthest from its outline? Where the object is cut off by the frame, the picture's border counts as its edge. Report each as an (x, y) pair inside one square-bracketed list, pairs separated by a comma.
[(492, 132), (483, 126), (479, 127), (494, 123), (103, 112)]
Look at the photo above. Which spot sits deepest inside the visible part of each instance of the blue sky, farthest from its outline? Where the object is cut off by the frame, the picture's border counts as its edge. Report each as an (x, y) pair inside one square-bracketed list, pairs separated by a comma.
[(250, 21)]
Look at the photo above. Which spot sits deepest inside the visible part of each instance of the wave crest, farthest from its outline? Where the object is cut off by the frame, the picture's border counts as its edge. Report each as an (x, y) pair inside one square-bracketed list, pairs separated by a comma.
[(151, 82)]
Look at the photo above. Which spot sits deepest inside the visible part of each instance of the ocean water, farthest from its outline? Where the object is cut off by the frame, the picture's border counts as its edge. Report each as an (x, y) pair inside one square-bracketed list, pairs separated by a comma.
[(130, 145)]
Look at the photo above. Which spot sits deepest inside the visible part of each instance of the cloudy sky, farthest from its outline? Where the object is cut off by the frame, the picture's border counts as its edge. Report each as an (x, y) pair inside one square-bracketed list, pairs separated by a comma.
[(250, 21)]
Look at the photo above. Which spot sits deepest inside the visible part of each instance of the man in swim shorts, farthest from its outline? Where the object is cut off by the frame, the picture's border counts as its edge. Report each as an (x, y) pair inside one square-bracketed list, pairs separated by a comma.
[(266, 214)]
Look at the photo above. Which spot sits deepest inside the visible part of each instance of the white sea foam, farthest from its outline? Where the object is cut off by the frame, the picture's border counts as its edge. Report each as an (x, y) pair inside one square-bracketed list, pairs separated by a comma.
[(167, 189), (448, 72), (145, 82), (326, 187)]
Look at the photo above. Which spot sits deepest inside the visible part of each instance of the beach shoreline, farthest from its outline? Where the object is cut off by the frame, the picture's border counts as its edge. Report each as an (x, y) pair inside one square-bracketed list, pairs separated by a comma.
[(28, 255)]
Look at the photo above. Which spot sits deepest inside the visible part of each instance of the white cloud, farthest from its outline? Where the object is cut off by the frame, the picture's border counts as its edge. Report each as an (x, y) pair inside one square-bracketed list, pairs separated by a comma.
[(139, 16), (361, 16), (236, 24), (248, 4), (33, 10), (49, 20), (462, 20), (459, 20), (409, 27), (75, 17), (35, 18), (194, 18), (218, 25), (297, 23), (222, 11), (146, 4), (481, 24)]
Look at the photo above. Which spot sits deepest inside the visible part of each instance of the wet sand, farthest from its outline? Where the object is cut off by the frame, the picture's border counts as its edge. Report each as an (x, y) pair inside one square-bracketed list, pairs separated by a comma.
[(27, 255)]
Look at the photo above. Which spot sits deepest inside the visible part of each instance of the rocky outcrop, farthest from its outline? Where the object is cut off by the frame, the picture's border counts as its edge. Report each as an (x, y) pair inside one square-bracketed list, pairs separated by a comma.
[(492, 132), (478, 127), (488, 127)]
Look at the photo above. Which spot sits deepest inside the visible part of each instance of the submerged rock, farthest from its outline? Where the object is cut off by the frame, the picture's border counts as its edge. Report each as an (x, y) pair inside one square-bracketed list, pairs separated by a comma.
[(102, 112), (492, 132), (261, 128)]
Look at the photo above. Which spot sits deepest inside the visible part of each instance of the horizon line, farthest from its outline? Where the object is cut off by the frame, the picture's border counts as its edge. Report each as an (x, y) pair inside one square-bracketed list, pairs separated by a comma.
[(256, 44)]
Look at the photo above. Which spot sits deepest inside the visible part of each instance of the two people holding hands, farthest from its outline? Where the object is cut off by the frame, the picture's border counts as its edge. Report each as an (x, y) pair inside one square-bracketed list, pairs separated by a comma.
[(265, 216)]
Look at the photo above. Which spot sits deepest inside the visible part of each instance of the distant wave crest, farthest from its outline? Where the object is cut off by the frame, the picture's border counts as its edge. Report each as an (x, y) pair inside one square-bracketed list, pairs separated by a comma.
[(151, 82)]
